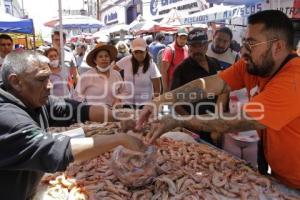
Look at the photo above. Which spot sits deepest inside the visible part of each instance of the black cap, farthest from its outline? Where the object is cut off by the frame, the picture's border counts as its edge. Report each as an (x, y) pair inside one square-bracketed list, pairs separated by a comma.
[(197, 35)]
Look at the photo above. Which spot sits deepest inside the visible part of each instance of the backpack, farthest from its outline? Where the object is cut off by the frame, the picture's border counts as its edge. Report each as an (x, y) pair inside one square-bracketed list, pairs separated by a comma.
[(160, 53)]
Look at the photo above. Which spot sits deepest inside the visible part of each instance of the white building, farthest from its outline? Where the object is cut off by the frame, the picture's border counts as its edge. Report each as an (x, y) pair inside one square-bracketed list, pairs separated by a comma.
[(12, 7)]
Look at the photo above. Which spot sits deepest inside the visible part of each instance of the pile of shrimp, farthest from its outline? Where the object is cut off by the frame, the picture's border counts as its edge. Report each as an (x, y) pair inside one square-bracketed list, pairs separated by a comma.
[(184, 171), (91, 129)]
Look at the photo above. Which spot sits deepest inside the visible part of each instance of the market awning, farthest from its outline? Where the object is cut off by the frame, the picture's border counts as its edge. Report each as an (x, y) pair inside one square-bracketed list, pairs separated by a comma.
[(157, 28), (11, 24), (75, 21), (212, 14)]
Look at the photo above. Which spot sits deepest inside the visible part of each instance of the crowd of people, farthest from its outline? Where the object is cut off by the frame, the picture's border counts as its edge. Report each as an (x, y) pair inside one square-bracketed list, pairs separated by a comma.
[(209, 83)]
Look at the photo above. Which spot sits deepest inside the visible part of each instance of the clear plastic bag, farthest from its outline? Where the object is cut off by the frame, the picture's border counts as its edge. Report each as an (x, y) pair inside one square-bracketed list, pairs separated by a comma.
[(134, 169)]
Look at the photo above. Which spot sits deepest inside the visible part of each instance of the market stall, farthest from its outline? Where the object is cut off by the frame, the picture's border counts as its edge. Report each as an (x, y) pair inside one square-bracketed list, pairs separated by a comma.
[(11, 24), (183, 170), (157, 28)]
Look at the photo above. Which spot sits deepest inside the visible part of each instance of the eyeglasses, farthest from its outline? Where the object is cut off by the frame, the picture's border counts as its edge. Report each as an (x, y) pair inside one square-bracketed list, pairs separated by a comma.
[(249, 46)]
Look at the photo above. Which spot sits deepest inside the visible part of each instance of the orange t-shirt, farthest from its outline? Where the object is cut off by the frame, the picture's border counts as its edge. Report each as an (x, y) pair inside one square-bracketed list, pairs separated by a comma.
[(280, 98)]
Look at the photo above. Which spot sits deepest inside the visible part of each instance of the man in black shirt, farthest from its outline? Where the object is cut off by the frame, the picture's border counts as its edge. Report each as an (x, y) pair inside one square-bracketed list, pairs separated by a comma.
[(197, 65), (26, 111)]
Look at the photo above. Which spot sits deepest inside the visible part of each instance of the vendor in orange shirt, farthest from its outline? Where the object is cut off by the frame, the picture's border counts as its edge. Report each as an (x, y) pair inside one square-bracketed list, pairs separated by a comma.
[(271, 73)]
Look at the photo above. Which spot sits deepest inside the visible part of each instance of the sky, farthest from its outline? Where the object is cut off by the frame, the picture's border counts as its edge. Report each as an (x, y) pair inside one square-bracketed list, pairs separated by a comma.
[(42, 11)]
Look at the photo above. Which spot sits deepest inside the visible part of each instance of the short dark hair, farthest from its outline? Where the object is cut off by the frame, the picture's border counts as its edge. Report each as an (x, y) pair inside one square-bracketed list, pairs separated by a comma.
[(49, 50), (224, 30), (82, 46), (159, 37), (6, 37), (276, 23), (148, 40), (57, 33)]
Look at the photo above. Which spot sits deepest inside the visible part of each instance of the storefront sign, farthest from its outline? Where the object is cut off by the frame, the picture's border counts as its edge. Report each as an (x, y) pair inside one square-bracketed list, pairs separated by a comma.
[(234, 1), (242, 11), (111, 18), (290, 8), (161, 7)]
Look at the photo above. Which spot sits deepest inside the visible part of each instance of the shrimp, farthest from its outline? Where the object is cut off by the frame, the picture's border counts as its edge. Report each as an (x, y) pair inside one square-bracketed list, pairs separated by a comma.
[(218, 179), (171, 184)]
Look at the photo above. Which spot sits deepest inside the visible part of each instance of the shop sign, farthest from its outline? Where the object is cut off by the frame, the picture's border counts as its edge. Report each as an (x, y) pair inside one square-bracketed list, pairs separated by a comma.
[(162, 7), (111, 18), (242, 11), (290, 8)]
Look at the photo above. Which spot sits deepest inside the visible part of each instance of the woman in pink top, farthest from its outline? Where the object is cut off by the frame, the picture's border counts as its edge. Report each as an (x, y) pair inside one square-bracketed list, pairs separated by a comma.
[(101, 84)]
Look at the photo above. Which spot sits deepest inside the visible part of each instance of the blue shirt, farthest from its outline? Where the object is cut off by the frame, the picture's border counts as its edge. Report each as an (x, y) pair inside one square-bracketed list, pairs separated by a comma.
[(154, 48)]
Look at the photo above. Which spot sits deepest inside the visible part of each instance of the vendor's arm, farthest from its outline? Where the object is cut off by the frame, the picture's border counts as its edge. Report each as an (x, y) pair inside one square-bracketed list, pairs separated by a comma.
[(224, 123), (201, 88), (197, 90)]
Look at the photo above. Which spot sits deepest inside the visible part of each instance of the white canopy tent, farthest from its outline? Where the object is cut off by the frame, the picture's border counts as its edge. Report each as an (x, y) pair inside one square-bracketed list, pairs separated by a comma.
[(173, 18), (140, 23), (75, 21), (114, 28)]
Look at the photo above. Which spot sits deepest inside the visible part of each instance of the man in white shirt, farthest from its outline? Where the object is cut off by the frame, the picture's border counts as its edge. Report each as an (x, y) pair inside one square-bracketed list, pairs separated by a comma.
[(69, 59), (220, 49)]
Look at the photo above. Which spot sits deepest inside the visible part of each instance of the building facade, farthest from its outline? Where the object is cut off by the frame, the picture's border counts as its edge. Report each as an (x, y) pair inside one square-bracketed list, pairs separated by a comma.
[(125, 11), (12, 7), (158, 9)]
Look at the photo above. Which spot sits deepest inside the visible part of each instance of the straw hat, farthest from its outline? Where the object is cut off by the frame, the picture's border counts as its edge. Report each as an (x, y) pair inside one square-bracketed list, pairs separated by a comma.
[(92, 54)]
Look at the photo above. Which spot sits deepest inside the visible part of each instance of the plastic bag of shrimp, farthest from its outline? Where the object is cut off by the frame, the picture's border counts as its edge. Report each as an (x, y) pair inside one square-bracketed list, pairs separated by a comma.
[(134, 169)]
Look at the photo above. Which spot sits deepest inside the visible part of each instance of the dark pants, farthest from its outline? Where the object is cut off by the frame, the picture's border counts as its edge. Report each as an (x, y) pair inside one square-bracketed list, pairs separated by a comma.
[(133, 106), (261, 159)]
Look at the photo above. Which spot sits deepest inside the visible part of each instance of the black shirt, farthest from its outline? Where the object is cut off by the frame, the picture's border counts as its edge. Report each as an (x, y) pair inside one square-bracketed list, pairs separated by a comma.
[(190, 70), (26, 149)]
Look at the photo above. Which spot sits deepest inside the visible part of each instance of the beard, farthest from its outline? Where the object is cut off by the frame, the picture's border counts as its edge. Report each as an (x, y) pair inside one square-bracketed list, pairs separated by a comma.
[(198, 56), (218, 50), (265, 68)]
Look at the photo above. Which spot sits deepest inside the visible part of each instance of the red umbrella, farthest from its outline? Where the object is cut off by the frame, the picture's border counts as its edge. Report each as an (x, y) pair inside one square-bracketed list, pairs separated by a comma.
[(158, 28)]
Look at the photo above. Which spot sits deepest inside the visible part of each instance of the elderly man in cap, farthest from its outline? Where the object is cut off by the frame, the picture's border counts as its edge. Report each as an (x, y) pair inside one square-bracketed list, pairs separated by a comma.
[(196, 66)]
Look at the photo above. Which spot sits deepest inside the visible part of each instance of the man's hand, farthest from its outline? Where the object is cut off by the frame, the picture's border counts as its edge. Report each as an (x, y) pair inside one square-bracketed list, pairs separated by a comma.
[(149, 111), (144, 116), (162, 126), (132, 143)]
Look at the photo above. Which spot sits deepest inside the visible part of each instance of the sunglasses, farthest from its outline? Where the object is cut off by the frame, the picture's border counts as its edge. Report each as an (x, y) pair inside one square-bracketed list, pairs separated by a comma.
[(247, 44)]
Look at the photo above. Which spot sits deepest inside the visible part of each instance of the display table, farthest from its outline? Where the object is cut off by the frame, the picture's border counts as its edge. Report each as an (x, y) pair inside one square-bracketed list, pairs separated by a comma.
[(185, 170)]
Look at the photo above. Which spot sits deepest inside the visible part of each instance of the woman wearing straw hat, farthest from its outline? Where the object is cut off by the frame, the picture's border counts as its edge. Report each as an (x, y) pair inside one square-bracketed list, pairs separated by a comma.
[(141, 75), (100, 84)]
